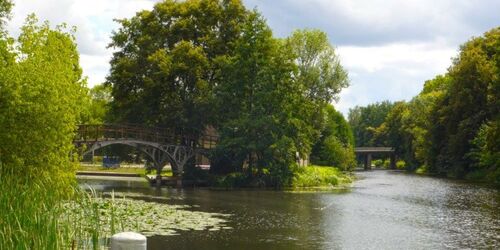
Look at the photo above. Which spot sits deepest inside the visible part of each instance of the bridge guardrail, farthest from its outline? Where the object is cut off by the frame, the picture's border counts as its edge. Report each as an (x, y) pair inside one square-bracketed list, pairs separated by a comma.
[(107, 132)]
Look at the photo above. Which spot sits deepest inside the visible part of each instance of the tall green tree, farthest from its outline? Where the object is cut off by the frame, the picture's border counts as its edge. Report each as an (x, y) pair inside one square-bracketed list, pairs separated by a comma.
[(167, 62), (39, 105), (256, 100), (471, 100), (319, 75)]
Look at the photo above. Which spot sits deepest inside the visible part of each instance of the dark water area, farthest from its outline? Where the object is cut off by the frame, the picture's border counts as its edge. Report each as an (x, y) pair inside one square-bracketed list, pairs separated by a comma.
[(382, 210)]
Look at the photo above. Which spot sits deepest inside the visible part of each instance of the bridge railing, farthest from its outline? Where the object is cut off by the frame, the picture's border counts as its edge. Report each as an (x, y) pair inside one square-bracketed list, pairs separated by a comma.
[(107, 132)]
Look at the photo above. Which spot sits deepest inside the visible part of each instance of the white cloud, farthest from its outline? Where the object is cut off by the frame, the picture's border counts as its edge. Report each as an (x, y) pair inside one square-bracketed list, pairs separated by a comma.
[(413, 57), (393, 71), (94, 22)]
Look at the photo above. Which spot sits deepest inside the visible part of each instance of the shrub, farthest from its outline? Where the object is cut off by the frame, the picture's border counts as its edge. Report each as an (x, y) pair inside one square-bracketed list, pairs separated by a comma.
[(400, 164), (316, 176)]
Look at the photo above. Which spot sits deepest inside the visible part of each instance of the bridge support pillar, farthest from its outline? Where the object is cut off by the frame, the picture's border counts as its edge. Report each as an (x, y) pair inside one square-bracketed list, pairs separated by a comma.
[(158, 176), (368, 161), (393, 161)]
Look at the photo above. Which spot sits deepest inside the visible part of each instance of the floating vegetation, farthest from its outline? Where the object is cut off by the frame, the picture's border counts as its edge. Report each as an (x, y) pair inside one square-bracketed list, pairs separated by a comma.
[(102, 217)]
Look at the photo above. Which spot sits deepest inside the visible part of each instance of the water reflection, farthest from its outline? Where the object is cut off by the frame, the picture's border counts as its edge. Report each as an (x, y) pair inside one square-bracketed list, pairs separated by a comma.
[(383, 210)]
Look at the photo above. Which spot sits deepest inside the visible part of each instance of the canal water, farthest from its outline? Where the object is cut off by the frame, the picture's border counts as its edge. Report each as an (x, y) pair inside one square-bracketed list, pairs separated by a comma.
[(382, 210)]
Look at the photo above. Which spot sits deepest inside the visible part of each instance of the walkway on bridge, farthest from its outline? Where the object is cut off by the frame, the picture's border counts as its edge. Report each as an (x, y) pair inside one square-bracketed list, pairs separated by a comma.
[(367, 153)]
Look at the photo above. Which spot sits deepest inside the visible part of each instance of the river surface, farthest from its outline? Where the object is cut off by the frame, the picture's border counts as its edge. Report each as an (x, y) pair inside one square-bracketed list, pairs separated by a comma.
[(382, 210)]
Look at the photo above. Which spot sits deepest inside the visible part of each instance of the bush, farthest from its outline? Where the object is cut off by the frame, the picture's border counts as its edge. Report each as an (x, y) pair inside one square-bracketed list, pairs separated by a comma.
[(232, 180), (378, 163), (400, 164), (422, 169), (335, 153), (316, 176)]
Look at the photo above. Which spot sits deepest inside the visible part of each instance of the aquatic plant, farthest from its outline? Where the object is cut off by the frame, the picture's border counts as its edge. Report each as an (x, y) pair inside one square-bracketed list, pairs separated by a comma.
[(97, 218)]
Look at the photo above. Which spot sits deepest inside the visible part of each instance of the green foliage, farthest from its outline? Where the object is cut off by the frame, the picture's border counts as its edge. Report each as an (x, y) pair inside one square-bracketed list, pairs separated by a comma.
[(400, 164), (471, 99), (335, 145), (98, 106), (168, 60), (318, 176), (5, 11), (364, 120), (336, 153), (486, 152), (39, 104), (378, 163), (319, 68), (232, 180), (266, 116)]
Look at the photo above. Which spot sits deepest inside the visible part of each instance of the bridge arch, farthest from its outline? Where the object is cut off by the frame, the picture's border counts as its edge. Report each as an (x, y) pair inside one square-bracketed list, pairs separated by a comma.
[(160, 155), (160, 145)]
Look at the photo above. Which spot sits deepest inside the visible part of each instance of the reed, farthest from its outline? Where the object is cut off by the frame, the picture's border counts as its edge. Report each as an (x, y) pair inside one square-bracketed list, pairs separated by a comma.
[(33, 215)]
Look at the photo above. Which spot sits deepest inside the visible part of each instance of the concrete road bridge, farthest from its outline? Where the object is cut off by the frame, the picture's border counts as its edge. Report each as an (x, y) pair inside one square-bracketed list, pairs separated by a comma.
[(367, 152), (160, 145)]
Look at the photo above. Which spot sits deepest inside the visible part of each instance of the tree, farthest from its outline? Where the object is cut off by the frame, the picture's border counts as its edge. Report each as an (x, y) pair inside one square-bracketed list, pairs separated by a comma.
[(256, 101), (471, 100), (335, 146), (319, 70), (420, 120), (320, 77), (39, 104), (99, 99), (167, 62), (364, 120), (5, 11)]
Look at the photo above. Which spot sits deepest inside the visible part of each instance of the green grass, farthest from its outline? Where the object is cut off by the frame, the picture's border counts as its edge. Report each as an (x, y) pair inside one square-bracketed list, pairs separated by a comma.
[(125, 169), (319, 176), (30, 213)]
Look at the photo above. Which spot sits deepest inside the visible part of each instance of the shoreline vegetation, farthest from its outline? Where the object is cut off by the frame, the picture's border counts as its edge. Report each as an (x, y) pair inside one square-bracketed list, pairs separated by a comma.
[(310, 177), (306, 177)]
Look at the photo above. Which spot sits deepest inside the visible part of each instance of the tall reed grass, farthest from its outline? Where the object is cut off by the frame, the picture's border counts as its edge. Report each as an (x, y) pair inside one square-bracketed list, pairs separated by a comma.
[(35, 216)]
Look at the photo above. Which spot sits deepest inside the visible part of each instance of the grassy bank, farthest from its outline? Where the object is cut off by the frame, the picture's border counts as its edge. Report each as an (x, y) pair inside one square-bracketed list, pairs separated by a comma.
[(309, 177), (132, 169)]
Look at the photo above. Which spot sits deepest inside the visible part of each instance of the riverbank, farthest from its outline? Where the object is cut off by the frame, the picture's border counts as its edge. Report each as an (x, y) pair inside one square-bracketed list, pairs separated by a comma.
[(482, 177), (308, 177), (311, 177), (126, 169)]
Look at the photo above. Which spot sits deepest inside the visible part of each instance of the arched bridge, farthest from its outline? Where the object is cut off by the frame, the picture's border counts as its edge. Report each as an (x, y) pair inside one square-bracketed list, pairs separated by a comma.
[(367, 152), (160, 145)]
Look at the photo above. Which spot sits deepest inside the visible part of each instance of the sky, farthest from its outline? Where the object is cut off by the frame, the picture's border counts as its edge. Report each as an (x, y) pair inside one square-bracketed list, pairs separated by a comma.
[(389, 47)]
